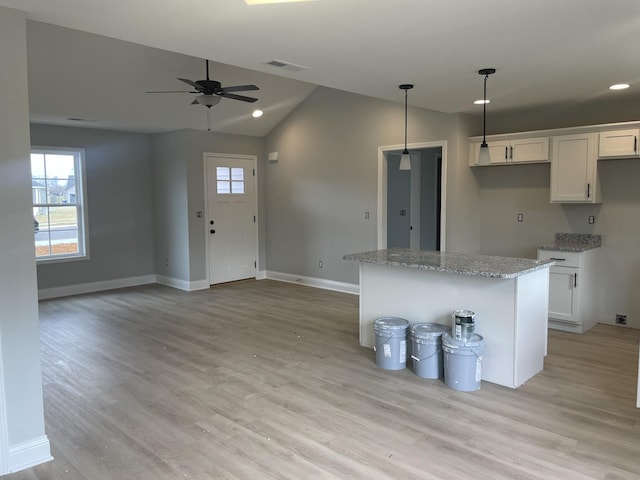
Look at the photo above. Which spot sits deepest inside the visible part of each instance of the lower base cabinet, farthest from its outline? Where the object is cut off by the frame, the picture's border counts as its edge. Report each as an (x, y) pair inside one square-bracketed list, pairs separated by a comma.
[(572, 302)]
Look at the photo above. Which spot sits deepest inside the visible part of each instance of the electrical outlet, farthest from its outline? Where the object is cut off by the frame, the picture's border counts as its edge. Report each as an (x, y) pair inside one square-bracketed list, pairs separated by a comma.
[(621, 319), (320, 264), (521, 217), (366, 215), (166, 262), (591, 220)]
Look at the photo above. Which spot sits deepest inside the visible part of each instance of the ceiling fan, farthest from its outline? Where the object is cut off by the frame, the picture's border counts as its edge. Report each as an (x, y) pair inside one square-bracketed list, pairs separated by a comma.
[(212, 91)]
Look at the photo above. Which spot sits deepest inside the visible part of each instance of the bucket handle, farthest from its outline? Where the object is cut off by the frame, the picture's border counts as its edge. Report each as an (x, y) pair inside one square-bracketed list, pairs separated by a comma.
[(427, 358), (385, 341)]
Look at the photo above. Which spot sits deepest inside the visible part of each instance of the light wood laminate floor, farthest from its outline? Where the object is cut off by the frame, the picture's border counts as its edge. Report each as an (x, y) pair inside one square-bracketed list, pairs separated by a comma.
[(262, 380)]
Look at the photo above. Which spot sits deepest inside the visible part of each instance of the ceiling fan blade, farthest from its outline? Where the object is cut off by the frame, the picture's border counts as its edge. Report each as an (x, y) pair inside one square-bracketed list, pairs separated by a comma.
[(242, 98), (240, 88), (170, 91), (193, 84)]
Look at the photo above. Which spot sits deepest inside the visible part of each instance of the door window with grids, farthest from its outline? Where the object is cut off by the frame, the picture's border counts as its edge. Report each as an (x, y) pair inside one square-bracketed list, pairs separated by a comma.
[(229, 180), (59, 211)]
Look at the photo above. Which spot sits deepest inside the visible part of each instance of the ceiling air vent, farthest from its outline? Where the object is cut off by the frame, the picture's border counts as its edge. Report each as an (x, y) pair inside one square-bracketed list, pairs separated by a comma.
[(291, 67)]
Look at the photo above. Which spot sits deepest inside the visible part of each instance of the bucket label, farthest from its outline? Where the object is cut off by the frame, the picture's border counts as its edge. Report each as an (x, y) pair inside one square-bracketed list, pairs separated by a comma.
[(387, 350), (478, 369), (403, 351)]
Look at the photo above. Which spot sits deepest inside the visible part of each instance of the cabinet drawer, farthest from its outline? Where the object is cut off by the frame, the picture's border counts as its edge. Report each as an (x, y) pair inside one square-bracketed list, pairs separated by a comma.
[(563, 259)]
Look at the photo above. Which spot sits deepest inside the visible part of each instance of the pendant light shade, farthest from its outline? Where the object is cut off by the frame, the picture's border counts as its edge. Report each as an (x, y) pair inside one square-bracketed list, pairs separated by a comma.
[(484, 158), (405, 160)]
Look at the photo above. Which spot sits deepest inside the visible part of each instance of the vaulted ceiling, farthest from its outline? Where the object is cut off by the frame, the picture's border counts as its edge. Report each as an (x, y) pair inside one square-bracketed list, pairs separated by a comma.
[(545, 51)]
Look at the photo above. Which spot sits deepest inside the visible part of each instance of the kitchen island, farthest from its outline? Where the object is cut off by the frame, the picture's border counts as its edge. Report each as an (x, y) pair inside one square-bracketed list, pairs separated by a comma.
[(510, 297)]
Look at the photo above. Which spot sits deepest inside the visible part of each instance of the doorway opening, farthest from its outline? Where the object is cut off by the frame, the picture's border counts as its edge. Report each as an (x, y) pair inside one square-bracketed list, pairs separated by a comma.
[(411, 203)]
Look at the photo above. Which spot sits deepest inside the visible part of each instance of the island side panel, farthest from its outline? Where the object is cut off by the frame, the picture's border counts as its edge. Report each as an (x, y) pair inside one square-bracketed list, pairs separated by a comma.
[(429, 296), (532, 316)]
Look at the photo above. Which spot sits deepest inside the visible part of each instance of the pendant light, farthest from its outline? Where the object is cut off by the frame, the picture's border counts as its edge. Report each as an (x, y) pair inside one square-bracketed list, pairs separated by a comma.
[(483, 157), (405, 159)]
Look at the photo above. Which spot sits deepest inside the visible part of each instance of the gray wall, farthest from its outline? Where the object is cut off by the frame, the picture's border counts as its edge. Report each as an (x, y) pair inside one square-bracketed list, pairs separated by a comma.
[(508, 190), (119, 201), (171, 205), (326, 178)]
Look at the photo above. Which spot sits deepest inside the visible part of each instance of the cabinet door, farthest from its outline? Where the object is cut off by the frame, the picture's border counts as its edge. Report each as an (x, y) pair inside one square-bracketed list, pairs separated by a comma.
[(573, 169), (619, 143), (499, 152), (563, 294), (530, 150)]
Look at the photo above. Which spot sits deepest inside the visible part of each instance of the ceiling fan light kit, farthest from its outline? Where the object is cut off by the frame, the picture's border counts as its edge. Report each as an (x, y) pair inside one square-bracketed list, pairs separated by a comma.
[(484, 158), (207, 100), (405, 159)]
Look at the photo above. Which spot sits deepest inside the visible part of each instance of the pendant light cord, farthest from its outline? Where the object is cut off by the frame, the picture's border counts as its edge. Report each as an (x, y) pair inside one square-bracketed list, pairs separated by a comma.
[(484, 113), (405, 121)]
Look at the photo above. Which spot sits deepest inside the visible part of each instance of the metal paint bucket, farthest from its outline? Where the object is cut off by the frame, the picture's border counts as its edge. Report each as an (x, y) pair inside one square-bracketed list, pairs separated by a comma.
[(463, 324)]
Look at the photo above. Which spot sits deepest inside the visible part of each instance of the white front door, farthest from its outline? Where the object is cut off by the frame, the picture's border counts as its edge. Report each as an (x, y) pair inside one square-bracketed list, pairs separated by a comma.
[(231, 218)]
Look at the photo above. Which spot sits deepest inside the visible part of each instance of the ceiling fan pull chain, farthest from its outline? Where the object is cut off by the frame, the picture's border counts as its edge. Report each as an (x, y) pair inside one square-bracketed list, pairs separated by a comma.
[(208, 119)]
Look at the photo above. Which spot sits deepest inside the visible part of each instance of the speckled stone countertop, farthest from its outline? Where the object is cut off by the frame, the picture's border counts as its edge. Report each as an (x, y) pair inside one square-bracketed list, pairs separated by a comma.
[(460, 263), (573, 242)]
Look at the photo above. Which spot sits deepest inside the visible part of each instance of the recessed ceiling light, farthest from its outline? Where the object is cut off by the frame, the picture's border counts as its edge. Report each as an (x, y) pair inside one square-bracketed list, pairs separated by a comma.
[(257, 113), (481, 102), (619, 86)]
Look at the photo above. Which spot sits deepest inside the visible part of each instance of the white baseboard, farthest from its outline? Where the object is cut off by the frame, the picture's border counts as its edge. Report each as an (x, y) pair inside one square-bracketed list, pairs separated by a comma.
[(185, 285), (314, 282), (67, 290), (188, 286), (28, 454)]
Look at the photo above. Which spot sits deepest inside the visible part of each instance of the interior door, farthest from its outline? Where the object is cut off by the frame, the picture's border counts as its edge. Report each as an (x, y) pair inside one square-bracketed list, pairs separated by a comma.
[(231, 222)]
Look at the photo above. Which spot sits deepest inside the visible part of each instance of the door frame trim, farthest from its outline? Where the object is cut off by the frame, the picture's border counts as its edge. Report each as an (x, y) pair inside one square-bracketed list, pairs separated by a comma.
[(382, 189), (254, 161)]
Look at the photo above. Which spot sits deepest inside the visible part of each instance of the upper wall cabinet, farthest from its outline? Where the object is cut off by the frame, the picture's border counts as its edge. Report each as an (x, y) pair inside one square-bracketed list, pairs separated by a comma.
[(521, 150), (618, 143), (574, 169)]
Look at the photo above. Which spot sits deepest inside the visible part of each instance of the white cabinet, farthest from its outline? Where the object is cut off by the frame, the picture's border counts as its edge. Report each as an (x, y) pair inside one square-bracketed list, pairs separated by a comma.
[(619, 143), (572, 303), (521, 150), (574, 169)]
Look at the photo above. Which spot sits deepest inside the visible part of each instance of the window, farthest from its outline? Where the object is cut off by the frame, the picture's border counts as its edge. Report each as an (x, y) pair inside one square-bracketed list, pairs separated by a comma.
[(59, 211), (230, 180)]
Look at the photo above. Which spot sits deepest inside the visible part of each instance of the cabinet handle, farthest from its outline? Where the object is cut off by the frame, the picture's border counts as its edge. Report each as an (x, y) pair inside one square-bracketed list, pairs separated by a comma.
[(558, 259), (588, 190), (506, 153), (575, 280), (511, 153), (635, 144)]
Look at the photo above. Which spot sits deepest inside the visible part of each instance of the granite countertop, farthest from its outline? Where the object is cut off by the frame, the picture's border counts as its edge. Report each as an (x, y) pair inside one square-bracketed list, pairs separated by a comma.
[(460, 263), (573, 242)]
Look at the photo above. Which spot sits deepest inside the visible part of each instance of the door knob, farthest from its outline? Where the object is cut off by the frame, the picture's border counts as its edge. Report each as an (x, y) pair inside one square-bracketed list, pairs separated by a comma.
[(212, 231)]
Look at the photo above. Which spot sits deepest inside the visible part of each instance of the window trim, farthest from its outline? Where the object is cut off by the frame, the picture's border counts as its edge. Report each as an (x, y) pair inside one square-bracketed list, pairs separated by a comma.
[(81, 193)]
